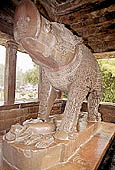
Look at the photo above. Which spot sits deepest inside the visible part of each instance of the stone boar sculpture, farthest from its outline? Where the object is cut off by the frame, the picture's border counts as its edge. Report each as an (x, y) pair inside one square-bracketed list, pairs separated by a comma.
[(66, 65)]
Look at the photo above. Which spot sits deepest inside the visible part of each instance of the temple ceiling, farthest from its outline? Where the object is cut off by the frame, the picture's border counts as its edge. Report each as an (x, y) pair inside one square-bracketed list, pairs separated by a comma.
[(93, 20)]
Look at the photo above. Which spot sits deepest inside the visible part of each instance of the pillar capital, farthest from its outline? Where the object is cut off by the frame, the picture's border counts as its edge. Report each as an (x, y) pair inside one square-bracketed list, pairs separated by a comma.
[(12, 43)]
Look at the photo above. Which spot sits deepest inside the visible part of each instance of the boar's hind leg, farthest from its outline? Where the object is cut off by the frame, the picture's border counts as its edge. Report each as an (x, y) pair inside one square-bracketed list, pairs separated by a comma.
[(93, 103), (77, 94)]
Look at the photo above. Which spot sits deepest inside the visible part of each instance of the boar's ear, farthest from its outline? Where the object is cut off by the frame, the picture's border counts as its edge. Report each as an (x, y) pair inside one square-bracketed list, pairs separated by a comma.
[(26, 20)]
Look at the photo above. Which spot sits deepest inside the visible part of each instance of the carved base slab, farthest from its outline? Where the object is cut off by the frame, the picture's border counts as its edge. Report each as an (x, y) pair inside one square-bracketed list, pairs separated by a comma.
[(88, 156), (23, 157)]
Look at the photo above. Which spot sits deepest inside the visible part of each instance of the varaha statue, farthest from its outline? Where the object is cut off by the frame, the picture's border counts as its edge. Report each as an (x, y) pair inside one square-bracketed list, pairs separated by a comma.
[(66, 65)]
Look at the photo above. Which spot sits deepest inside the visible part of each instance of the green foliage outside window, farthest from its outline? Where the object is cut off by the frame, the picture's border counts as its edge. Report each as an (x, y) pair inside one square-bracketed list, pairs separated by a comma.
[(31, 76), (108, 76)]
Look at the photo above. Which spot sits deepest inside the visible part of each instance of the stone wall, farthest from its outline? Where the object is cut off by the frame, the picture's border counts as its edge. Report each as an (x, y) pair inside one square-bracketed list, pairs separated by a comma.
[(106, 109), (12, 114), (108, 112)]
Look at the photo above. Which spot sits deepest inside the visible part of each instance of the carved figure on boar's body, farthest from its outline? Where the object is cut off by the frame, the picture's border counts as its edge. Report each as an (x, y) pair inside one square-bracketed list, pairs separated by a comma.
[(67, 65)]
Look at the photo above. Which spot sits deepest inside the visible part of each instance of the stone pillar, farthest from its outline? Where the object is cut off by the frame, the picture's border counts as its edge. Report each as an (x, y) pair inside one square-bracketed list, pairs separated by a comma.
[(40, 81), (10, 72)]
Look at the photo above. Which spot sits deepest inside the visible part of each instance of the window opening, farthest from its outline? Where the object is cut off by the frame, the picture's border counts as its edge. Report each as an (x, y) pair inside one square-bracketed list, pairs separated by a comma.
[(26, 79), (2, 66)]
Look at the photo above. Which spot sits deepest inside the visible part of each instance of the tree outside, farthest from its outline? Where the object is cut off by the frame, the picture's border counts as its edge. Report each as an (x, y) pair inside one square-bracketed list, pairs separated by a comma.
[(27, 85), (108, 76), (31, 76)]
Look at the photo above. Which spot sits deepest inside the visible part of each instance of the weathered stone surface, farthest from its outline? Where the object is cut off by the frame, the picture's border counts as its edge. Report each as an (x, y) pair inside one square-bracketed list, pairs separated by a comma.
[(67, 65), (88, 156), (28, 157)]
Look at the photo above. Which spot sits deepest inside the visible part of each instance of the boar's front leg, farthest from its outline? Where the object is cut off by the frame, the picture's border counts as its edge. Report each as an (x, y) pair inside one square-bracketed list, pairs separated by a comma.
[(47, 96)]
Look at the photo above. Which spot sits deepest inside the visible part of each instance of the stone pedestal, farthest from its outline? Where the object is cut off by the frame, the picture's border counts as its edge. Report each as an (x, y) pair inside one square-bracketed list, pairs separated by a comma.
[(23, 157), (86, 152)]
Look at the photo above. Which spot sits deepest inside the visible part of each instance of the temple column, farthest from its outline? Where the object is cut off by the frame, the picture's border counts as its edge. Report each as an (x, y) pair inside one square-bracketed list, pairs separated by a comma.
[(40, 81), (10, 72)]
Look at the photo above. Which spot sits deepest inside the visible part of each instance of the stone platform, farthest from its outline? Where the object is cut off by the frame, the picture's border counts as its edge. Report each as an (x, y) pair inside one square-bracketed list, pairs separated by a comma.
[(90, 155), (84, 153)]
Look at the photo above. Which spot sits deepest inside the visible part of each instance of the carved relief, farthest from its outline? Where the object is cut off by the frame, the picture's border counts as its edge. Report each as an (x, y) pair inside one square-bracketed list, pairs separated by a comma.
[(32, 132)]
